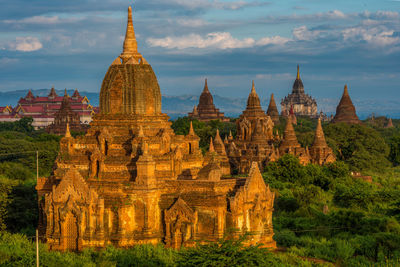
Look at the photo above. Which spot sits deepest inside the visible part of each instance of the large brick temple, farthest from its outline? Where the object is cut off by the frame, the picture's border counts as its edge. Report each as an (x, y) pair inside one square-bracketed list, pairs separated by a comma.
[(130, 180)]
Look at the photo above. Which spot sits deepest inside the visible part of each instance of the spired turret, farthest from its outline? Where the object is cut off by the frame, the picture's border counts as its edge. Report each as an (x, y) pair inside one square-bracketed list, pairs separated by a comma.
[(272, 111), (345, 111), (130, 86), (320, 152)]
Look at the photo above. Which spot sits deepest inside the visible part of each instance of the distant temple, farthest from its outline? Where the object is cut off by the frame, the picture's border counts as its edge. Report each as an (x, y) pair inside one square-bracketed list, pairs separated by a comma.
[(345, 111), (131, 180), (303, 104), (206, 110), (272, 110), (389, 123), (44, 109), (66, 117), (254, 139)]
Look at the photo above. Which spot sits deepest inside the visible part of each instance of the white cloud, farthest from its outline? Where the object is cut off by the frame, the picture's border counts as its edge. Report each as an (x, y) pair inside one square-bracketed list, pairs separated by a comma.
[(219, 40), (187, 22), (26, 44), (302, 33), (376, 36), (45, 20), (216, 4)]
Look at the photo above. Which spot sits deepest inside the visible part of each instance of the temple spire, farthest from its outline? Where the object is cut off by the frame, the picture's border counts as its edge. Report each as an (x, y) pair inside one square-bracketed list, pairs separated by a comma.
[(67, 132), (253, 88), (211, 147), (130, 44), (298, 72), (205, 86), (191, 131), (319, 138)]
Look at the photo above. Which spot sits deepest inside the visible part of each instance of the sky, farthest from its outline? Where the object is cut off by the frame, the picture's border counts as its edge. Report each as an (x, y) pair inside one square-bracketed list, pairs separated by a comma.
[(70, 44)]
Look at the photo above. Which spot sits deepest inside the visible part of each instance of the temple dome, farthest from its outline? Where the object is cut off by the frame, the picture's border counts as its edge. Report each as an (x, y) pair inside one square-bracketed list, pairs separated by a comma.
[(130, 85), (206, 99), (345, 111)]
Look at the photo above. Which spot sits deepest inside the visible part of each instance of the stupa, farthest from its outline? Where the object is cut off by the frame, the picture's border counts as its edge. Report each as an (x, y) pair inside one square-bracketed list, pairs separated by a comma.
[(272, 110), (303, 104), (320, 152), (389, 124), (345, 111), (290, 145), (206, 110), (130, 180)]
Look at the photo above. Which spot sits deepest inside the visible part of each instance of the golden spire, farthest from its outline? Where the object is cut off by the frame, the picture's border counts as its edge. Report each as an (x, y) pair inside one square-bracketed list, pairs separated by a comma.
[(253, 88), (211, 148), (191, 131), (130, 44), (298, 72), (205, 86), (67, 132)]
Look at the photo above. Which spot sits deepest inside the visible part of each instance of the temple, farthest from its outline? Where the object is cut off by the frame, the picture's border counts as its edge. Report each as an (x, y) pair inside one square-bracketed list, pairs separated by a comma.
[(66, 117), (130, 180), (389, 123), (206, 110), (320, 152), (303, 104), (43, 109), (272, 110), (254, 139), (345, 111)]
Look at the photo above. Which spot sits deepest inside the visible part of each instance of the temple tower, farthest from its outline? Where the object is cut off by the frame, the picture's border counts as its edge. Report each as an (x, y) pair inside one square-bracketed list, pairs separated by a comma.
[(272, 111), (345, 111), (320, 152), (131, 180), (303, 104), (206, 110)]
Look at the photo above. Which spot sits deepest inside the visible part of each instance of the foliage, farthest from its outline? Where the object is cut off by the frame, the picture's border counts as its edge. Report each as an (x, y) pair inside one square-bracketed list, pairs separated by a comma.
[(18, 250), (360, 146)]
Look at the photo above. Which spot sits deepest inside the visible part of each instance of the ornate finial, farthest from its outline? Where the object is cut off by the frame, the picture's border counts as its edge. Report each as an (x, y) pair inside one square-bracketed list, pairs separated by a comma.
[(253, 88), (298, 71), (345, 88), (65, 92), (191, 131), (211, 147), (130, 44), (205, 86), (230, 137), (67, 132)]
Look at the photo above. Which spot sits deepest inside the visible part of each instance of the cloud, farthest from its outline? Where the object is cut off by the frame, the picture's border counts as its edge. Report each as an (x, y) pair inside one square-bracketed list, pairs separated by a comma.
[(46, 20), (379, 36), (26, 44), (216, 4), (218, 40), (302, 33)]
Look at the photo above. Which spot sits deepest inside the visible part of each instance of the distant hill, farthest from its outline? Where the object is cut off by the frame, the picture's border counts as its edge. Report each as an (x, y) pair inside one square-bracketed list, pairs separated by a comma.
[(178, 106)]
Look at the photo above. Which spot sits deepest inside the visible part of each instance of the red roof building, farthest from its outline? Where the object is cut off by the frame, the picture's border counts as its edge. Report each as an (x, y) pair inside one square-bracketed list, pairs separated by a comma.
[(43, 109)]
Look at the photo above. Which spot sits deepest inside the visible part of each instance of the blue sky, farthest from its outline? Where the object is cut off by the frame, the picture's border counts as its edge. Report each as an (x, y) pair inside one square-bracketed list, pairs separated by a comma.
[(72, 43)]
